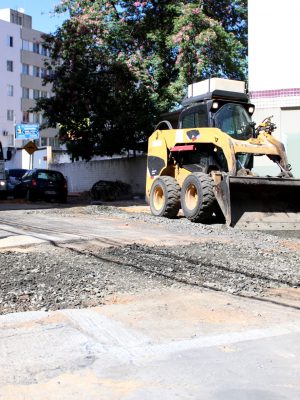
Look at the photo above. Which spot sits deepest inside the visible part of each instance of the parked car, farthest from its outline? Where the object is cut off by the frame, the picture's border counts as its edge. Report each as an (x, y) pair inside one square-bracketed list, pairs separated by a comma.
[(14, 177), (44, 184), (10, 180)]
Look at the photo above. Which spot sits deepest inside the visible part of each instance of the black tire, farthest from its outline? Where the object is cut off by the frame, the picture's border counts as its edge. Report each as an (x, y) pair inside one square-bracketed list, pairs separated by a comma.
[(165, 197), (30, 196), (198, 201)]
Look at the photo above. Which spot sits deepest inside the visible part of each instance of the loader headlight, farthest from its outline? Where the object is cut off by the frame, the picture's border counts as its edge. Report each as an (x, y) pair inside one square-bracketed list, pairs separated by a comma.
[(2, 183), (215, 105), (251, 110)]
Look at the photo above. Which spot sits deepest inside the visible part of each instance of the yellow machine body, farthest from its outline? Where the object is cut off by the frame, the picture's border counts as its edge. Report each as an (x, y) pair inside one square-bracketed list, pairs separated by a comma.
[(245, 199)]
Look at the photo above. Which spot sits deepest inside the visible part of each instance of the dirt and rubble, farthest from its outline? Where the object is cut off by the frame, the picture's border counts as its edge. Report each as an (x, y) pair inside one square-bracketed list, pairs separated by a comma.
[(52, 276)]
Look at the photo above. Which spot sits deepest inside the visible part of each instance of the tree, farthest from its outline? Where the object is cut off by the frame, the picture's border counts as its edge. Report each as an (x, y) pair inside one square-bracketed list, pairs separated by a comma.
[(233, 17), (100, 106), (119, 64)]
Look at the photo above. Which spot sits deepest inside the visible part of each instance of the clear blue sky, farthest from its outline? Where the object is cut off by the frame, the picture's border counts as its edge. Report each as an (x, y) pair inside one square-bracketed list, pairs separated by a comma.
[(39, 10)]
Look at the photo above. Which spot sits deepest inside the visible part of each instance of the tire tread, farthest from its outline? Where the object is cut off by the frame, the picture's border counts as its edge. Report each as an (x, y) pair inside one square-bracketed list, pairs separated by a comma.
[(208, 198), (172, 205)]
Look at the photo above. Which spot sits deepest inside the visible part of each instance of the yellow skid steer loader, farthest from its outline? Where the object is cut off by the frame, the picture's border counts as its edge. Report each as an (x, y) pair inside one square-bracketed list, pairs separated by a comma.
[(204, 164)]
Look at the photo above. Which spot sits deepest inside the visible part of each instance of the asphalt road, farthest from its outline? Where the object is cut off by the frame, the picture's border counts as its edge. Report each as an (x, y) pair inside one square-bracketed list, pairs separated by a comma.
[(167, 345), (176, 341)]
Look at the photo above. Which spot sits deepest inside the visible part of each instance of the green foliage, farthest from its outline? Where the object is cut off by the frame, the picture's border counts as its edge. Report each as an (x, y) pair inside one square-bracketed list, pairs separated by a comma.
[(119, 64)]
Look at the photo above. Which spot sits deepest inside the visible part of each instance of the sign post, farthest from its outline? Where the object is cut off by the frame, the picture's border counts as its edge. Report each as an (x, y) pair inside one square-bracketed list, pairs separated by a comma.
[(30, 147), (31, 132)]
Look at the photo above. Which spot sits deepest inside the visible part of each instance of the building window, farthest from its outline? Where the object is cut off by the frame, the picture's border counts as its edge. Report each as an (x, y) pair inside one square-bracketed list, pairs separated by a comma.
[(53, 141), (43, 141), (10, 41), (25, 117), (10, 90), (10, 140), (36, 94), (44, 72), (25, 45), (10, 65), (36, 118), (44, 119), (10, 115), (25, 93), (25, 69), (44, 51), (36, 71), (16, 19), (43, 94), (36, 48), (51, 73)]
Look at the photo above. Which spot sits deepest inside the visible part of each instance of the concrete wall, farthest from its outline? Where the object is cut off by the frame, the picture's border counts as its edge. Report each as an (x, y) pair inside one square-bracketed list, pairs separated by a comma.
[(288, 132), (82, 175), (21, 159), (290, 129)]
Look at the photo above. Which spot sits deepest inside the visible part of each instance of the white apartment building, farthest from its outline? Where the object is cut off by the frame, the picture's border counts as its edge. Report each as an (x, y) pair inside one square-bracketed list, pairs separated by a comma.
[(274, 65), (21, 75)]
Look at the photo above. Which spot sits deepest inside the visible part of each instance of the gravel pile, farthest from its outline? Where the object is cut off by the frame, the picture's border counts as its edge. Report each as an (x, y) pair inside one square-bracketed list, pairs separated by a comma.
[(229, 260), (53, 278), (231, 268)]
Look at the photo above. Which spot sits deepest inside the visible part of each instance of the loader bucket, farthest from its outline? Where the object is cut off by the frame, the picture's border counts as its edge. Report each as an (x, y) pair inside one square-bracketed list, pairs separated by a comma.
[(263, 203)]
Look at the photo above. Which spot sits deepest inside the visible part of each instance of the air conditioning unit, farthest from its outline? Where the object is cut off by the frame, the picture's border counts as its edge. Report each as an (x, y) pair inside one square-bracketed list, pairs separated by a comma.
[(209, 85), (5, 133)]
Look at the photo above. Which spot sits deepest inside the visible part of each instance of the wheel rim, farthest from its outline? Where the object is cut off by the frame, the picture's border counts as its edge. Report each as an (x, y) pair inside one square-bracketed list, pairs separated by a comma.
[(158, 198), (191, 197)]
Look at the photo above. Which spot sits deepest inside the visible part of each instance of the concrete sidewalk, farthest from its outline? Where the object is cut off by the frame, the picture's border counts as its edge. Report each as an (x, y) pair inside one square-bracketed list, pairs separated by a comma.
[(183, 344)]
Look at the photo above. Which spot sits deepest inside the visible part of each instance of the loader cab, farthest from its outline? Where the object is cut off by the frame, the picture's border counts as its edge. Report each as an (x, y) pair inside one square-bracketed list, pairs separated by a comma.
[(230, 111), (195, 116), (235, 120), (227, 114)]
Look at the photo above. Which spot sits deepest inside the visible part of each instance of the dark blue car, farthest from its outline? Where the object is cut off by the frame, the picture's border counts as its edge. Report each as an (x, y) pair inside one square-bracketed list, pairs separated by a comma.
[(43, 184)]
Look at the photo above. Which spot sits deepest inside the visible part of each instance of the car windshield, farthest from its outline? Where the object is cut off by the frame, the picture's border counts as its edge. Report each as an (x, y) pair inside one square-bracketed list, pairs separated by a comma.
[(50, 176), (234, 120)]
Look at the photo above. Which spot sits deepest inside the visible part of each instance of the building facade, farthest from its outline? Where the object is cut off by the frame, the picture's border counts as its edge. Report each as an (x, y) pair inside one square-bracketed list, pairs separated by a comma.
[(274, 64), (21, 75)]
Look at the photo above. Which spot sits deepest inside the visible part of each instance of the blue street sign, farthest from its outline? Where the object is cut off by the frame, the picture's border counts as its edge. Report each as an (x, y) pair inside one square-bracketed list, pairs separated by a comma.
[(27, 131)]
